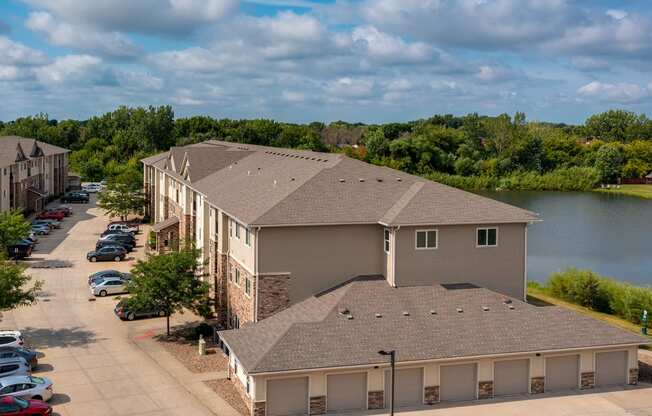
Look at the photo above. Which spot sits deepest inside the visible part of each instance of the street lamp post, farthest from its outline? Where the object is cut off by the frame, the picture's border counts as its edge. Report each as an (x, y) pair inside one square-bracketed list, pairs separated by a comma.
[(392, 364)]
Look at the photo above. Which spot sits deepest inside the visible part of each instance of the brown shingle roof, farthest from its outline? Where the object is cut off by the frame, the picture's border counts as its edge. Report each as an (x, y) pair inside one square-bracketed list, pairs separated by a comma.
[(10, 146), (265, 186), (314, 334)]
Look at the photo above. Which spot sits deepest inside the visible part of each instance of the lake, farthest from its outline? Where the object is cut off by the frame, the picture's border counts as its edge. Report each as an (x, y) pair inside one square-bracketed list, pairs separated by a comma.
[(609, 234)]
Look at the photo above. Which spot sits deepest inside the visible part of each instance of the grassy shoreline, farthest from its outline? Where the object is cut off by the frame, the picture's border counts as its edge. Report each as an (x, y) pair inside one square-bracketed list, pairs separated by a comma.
[(539, 297), (641, 191)]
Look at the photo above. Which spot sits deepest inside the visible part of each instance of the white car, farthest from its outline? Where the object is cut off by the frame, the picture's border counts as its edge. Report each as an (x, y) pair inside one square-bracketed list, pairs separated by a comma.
[(26, 387), (92, 188), (110, 286), (11, 339), (122, 227)]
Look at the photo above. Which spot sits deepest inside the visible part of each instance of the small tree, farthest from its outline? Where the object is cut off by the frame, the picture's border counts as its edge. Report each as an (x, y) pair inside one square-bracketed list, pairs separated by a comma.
[(13, 227), (13, 286), (170, 282), (121, 199)]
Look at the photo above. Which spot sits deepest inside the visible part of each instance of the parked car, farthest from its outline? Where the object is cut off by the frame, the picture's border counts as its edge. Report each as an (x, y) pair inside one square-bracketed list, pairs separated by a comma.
[(19, 250), (14, 367), (30, 356), (40, 229), (119, 236), (128, 313), (49, 223), (108, 253), (106, 243), (92, 187), (133, 225), (80, 197), (11, 339), (26, 387), (65, 213), (109, 232), (15, 406), (110, 286), (122, 227), (51, 215), (32, 237), (66, 209), (106, 274)]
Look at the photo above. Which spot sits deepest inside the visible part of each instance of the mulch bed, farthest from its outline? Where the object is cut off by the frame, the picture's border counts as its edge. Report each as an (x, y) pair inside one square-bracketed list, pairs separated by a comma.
[(181, 345), (225, 389)]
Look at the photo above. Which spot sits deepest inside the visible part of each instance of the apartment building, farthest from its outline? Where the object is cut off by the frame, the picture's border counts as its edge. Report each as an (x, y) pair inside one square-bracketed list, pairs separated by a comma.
[(329, 260), (31, 172)]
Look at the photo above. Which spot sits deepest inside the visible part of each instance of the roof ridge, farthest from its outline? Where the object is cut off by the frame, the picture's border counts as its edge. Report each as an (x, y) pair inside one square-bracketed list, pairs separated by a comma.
[(402, 202)]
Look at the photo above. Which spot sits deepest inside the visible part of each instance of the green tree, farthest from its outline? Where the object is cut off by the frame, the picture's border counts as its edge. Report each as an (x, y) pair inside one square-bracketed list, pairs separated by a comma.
[(14, 290), (170, 282), (618, 125), (120, 199), (13, 227), (609, 161)]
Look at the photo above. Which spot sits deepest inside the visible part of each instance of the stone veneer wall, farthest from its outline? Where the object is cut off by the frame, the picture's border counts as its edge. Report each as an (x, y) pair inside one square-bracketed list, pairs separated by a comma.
[(588, 380), (537, 385), (633, 376), (273, 294), (485, 390), (186, 222), (259, 409), (239, 302), (171, 234), (376, 399), (219, 266), (431, 394), (318, 405)]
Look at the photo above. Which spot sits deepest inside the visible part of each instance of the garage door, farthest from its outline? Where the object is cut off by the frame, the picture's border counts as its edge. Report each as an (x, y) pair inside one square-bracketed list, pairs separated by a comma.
[(610, 368), (346, 392), (409, 387), (511, 377), (562, 373), (288, 396), (458, 382)]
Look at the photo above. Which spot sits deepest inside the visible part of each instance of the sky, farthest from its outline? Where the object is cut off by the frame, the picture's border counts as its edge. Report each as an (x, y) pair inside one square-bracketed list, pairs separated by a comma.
[(323, 60)]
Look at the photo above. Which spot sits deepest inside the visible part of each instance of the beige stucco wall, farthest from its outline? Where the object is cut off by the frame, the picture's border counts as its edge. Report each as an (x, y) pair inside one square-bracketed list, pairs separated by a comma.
[(457, 259), (240, 251), (320, 257), (5, 189)]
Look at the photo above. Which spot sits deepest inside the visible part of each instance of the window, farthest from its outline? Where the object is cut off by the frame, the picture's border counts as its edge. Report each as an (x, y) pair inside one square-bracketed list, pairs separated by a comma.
[(231, 274), (487, 237), (247, 237), (177, 196), (231, 228), (386, 243), (217, 223), (237, 230), (426, 239), (248, 385), (248, 286), (237, 276)]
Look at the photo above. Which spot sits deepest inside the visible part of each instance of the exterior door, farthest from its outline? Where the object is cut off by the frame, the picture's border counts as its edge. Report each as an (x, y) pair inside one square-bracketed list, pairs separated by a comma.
[(409, 387), (346, 392), (562, 373), (288, 396), (611, 368), (511, 377), (458, 382)]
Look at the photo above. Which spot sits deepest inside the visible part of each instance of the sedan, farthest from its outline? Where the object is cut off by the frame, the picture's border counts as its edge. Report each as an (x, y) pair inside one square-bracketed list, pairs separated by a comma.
[(105, 274), (47, 223), (27, 387), (11, 339), (128, 313), (15, 406), (108, 243), (14, 367), (109, 287), (51, 215), (40, 230), (107, 253), (30, 356)]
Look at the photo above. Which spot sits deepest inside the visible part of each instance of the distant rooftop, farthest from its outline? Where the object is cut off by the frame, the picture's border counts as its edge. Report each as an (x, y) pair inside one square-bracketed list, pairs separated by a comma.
[(16, 148)]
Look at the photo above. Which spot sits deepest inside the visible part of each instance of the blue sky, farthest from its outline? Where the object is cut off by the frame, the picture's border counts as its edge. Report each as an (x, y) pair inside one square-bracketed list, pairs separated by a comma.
[(306, 60)]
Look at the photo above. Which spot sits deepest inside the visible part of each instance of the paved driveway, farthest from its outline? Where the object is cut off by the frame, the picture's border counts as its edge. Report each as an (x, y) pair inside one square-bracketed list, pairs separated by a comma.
[(90, 354)]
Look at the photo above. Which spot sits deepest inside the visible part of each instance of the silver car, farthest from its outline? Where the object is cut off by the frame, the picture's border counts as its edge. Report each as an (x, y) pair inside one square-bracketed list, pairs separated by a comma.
[(14, 367), (26, 387), (111, 286)]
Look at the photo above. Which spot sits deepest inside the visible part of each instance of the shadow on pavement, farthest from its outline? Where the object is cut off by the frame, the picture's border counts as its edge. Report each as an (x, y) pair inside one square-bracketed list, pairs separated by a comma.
[(59, 398), (65, 337), (43, 368)]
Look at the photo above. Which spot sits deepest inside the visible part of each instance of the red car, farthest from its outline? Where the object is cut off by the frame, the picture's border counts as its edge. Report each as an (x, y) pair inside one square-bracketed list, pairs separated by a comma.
[(51, 215), (15, 406)]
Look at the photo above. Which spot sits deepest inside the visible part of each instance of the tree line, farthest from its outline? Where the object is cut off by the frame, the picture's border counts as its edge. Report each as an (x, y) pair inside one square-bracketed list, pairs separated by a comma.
[(471, 151)]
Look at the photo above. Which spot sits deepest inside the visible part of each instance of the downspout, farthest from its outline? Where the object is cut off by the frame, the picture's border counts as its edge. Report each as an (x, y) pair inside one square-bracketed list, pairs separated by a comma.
[(394, 254), (257, 280), (525, 266)]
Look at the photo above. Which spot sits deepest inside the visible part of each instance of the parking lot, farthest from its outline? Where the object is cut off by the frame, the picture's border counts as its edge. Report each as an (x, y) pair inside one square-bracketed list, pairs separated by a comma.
[(90, 355)]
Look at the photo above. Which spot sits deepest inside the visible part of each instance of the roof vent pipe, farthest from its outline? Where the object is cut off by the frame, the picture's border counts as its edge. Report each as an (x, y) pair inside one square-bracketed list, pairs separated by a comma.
[(460, 310), (275, 181), (379, 315), (406, 313)]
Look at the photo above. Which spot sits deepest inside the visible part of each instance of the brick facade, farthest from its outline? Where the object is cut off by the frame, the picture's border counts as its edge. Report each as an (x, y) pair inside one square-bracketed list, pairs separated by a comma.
[(537, 385), (633, 376), (218, 271), (273, 294), (168, 239), (485, 390), (431, 394), (318, 405), (376, 400), (239, 303), (588, 380)]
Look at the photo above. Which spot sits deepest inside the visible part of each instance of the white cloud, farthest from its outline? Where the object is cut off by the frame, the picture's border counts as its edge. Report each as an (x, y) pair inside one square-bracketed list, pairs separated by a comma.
[(616, 14), (349, 88), (369, 41), (76, 69), (139, 16), (14, 53), (10, 73), (616, 92), (81, 37), (587, 63)]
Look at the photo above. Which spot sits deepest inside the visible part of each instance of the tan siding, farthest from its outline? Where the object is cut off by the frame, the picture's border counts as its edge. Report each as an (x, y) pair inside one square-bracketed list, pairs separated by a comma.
[(320, 257), (457, 259)]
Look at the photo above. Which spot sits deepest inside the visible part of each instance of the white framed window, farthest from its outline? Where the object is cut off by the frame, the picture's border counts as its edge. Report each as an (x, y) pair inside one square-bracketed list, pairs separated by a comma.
[(386, 239), (247, 237), (426, 239), (237, 276), (231, 225), (237, 230), (248, 286), (487, 237)]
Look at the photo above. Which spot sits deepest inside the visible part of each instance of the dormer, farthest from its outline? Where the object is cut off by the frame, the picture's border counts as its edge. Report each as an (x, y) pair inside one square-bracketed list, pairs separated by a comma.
[(20, 154), (36, 150), (185, 168)]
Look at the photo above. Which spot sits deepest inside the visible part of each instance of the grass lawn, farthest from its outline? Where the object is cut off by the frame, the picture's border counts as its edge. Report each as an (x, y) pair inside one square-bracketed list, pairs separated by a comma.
[(537, 297), (641, 191)]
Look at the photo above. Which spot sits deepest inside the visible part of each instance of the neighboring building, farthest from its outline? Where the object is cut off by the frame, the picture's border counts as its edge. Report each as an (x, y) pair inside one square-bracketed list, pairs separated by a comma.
[(31, 172), (288, 236), (73, 182), (648, 179)]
